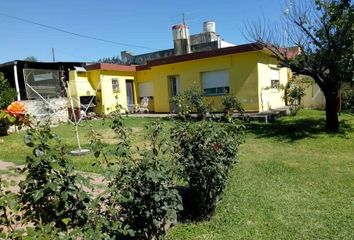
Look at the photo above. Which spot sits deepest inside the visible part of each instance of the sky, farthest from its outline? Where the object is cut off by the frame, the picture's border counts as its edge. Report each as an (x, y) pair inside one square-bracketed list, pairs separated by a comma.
[(145, 23)]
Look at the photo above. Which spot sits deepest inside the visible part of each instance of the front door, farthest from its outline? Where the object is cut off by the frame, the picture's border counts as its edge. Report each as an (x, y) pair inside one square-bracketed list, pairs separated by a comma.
[(174, 90), (130, 95)]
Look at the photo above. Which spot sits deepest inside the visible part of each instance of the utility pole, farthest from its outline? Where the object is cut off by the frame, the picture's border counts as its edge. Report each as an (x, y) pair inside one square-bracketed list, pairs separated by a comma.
[(53, 54)]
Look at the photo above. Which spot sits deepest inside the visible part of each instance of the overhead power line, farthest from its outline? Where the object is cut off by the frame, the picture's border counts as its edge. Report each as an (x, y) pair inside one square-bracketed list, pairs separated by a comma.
[(77, 34)]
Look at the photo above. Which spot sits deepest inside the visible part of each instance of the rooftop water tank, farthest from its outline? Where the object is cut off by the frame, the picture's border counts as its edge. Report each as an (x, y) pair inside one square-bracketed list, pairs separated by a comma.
[(181, 39), (209, 26), (180, 31)]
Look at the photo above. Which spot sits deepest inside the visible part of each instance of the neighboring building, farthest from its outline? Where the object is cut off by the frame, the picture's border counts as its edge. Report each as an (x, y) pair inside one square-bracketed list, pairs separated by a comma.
[(32, 79), (183, 43), (39, 84), (244, 70), (314, 97)]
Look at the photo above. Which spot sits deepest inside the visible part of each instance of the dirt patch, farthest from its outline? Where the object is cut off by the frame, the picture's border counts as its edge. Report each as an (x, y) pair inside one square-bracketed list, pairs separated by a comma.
[(9, 173)]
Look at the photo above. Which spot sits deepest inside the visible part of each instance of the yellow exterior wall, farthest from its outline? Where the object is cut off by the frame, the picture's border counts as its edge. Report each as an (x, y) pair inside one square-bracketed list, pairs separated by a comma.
[(101, 81), (243, 79), (270, 98), (110, 99), (79, 86)]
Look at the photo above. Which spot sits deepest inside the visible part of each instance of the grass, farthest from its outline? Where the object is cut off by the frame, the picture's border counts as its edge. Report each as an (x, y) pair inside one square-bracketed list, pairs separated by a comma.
[(14, 150), (293, 180)]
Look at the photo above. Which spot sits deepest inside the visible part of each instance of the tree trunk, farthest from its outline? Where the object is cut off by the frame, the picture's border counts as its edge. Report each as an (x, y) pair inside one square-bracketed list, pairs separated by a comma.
[(332, 103)]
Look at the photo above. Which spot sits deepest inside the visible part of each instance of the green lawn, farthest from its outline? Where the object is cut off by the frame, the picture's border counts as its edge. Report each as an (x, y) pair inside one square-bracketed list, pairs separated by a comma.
[(293, 180), (14, 150)]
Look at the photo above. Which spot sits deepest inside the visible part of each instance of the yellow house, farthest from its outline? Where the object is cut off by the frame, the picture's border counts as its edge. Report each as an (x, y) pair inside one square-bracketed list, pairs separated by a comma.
[(247, 71), (113, 85)]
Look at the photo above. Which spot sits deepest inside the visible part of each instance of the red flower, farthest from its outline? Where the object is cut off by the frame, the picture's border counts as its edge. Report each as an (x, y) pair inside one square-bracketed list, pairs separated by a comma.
[(16, 109)]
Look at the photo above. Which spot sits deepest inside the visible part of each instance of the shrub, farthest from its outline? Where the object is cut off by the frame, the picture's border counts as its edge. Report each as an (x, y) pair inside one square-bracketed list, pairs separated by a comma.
[(147, 202), (348, 101), (231, 104), (7, 94), (52, 192), (141, 200), (206, 152), (294, 90), (190, 101), (10, 213)]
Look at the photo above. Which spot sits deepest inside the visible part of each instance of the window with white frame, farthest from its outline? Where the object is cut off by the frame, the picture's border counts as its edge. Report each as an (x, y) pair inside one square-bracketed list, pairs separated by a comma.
[(215, 83), (115, 85), (274, 78)]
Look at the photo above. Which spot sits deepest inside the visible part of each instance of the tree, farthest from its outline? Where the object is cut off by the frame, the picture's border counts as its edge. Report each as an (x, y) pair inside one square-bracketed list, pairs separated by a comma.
[(114, 60), (323, 32), (31, 59)]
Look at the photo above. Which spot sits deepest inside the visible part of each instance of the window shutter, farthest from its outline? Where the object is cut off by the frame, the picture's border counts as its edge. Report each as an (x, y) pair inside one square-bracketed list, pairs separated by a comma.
[(146, 90), (215, 79)]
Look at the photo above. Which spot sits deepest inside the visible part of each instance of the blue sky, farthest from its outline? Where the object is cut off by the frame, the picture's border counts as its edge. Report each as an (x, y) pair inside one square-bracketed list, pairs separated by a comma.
[(140, 22)]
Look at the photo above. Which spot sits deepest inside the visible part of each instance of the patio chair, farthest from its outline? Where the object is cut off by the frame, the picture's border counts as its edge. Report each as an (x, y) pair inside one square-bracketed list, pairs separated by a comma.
[(143, 106)]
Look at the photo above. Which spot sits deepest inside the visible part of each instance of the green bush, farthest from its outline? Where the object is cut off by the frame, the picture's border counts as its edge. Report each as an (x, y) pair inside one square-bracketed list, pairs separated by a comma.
[(231, 104), (190, 101), (206, 152), (7, 94), (144, 193), (294, 90), (52, 192), (348, 101), (141, 200)]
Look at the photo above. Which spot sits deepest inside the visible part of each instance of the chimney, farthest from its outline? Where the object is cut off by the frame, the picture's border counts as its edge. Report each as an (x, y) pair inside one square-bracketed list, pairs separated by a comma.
[(181, 39)]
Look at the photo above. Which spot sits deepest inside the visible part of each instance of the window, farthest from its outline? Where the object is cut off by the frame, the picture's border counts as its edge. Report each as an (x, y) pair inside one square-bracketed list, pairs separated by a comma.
[(146, 90), (274, 78), (215, 83), (115, 85)]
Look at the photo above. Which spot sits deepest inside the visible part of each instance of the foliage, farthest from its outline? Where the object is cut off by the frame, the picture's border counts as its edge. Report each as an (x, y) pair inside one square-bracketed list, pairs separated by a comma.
[(10, 213), (206, 152), (15, 114), (31, 59), (294, 90), (348, 101), (6, 120), (231, 104), (114, 60), (144, 194), (140, 201), (190, 100), (7, 94), (52, 192)]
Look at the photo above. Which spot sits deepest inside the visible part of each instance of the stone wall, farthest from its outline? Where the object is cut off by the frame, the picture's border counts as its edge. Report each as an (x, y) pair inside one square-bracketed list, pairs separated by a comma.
[(56, 109)]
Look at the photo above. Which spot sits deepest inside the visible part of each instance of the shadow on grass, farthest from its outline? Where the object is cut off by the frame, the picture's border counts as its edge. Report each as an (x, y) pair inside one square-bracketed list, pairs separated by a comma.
[(296, 129)]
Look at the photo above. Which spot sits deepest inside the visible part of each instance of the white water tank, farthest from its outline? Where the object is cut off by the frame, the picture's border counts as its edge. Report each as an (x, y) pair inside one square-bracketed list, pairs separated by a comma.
[(209, 26)]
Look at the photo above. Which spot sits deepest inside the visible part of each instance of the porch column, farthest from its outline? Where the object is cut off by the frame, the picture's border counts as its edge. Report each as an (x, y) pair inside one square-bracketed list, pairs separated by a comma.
[(16, 82)]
